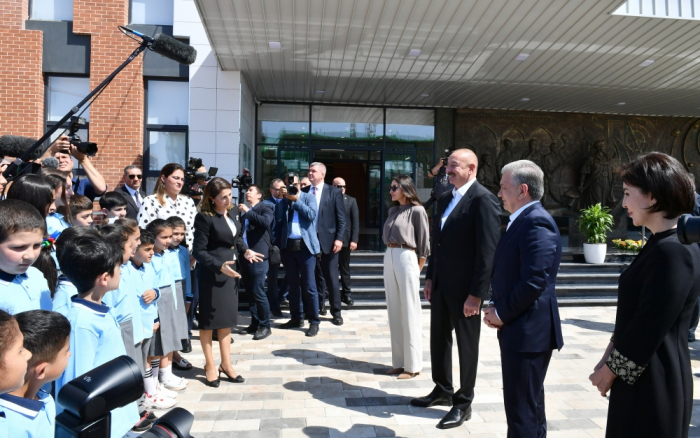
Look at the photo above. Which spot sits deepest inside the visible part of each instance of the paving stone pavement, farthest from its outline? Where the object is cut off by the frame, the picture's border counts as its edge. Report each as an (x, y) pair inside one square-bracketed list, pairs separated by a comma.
[(334, 385)]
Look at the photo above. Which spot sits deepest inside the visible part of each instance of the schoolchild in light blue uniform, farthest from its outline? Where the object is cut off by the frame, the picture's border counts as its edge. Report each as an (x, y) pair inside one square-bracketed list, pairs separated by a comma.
[(178, 260), (55, 224), (22, 287), (27, 418), (93, 264), (29, 410), (65, 290)]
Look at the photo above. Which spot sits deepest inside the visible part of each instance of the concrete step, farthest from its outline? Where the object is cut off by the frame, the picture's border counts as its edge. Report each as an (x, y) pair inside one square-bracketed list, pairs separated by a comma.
[(361, 303)]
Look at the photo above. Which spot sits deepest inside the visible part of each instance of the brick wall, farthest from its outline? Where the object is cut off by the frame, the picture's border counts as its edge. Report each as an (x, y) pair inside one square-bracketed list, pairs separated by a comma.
[(116, 117), (22, 90)]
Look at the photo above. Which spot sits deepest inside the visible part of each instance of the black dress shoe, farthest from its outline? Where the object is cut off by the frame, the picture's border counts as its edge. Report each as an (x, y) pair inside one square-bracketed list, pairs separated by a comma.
[(277, 313), (237, 379), (347, 300), (337, 320), (455, 417), (292, 323), (435, 398), (251, 329), (212, 383), (186, 346), (313, 330), (262, 333), (322, 310), (284, 303)]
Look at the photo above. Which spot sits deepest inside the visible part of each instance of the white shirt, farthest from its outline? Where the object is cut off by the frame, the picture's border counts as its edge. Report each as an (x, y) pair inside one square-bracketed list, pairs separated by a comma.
[(517, 213), (134, 194), (319, 191), (457, 194)]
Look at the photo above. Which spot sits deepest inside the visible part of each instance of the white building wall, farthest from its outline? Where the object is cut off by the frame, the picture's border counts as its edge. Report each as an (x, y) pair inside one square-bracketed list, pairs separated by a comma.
[(247, 126), (215, 98)]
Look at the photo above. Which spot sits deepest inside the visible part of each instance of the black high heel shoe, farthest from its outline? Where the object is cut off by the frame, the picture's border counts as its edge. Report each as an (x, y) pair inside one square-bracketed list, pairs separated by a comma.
[(237, 379), (212, 383)]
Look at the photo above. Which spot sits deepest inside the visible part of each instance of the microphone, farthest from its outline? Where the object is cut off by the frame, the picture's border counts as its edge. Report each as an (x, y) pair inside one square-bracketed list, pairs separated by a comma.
[(167, 46), (15, 145), (171, 48), (50, 162)]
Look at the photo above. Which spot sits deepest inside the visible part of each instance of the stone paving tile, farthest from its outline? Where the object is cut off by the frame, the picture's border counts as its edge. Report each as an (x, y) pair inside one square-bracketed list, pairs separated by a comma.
[(335, 385)]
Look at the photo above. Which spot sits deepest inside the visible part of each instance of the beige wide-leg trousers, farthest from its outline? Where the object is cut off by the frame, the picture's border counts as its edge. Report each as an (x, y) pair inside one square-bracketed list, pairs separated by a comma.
[(402, 285)]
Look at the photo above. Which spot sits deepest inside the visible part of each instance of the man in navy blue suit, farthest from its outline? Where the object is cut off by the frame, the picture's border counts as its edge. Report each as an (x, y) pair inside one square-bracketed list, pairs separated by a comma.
[(524, 303)]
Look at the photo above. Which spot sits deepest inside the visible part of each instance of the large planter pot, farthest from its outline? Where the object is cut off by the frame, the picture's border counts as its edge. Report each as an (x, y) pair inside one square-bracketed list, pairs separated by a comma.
[(594, 252)]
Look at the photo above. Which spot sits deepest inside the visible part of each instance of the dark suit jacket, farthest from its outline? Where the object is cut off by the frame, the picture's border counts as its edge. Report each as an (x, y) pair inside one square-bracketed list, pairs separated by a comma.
[(260, 219), (331, 217), (214, 244), (352, 221), (461, 254), (131, 209), (524, 275)]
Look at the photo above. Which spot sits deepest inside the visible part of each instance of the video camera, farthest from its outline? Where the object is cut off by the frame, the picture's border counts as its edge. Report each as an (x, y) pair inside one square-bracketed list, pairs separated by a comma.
[(242, 182), (192, 176), (89, 399), (86, 147), (291, 189)]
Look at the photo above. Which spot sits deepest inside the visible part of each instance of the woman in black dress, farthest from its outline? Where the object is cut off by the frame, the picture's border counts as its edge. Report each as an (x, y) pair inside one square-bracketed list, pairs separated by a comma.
[(646, 366), (218, 242)]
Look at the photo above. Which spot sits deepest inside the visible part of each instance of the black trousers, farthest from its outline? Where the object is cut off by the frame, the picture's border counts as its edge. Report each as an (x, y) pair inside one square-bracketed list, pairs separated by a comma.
[(442, 321), (327, 281), (344, 268), (272, 291), (523, 392)]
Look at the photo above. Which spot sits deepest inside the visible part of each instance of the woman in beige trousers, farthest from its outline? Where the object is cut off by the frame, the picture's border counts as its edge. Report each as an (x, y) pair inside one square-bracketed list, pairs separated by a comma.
[(407, 240)]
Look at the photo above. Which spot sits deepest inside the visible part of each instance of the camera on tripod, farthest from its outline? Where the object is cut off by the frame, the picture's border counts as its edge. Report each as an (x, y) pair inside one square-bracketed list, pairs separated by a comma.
[(89, 399), (193, 176), (86, 147)]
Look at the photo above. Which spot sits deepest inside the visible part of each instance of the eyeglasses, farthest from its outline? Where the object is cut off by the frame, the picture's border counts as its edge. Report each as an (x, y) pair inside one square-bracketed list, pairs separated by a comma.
[(393, 188), (135, 176), (341, 187)]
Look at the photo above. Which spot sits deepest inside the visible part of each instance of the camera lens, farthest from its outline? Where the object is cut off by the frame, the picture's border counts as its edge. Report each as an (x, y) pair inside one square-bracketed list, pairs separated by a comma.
[(688, 229), (292, 190)]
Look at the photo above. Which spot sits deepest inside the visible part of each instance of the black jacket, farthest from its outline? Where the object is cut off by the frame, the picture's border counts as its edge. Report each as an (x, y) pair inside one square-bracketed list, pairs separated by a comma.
[(214, 244), (461, 256), (260, 219), (132, 209), (331, 217), (352, 221)]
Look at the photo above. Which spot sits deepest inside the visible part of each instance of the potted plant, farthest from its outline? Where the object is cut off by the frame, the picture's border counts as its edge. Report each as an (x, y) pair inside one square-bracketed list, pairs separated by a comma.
[(594, 223)]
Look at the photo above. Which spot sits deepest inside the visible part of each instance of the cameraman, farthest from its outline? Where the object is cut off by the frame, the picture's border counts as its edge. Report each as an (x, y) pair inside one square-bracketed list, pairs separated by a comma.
[(441, 184), (92, 186)]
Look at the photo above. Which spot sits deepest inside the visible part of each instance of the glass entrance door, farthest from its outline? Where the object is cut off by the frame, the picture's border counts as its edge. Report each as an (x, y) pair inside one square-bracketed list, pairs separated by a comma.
[(397, 163)]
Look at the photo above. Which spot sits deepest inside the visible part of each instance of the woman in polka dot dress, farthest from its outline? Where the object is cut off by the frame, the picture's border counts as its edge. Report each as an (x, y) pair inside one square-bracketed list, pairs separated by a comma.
[(165, 202)]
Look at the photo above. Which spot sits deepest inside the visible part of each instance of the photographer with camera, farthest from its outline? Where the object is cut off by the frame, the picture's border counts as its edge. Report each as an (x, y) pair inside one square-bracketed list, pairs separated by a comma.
[(442, 182), (63, 149)]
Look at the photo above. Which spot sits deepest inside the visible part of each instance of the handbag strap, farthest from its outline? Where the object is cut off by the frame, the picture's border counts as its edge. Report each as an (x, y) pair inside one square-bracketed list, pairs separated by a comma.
[(266, 238)]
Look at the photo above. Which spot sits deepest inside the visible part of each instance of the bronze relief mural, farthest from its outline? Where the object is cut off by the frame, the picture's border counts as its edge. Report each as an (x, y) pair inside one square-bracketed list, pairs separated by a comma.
[(579, 153)]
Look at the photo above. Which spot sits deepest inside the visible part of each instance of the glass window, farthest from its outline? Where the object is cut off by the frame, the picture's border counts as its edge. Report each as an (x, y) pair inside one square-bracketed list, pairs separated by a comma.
[(414, 128), (266, 169), (283, 124), (152, 12), (168, 103), (166, 147), (347, 126), (60, 10), (64, 93)]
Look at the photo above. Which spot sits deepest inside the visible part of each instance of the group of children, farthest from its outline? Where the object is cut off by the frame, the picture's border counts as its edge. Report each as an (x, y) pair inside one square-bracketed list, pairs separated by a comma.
[(121, 291)]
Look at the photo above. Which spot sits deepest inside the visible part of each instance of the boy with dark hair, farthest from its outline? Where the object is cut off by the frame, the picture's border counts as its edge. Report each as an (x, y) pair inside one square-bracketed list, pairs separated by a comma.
[(81, 211), (93, 264), (179, 262), (22, 231), (30, 411), (113, 205)]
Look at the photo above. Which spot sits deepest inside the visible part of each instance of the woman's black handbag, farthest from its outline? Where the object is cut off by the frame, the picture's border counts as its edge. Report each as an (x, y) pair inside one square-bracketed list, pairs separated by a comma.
[(275, 256)]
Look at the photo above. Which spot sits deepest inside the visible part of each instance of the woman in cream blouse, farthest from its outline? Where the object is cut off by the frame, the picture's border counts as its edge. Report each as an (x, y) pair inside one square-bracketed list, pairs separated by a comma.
[(406, 236)]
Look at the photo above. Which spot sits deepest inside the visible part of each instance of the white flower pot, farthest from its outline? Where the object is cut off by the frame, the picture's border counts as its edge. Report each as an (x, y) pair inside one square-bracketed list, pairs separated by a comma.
[(594, 252)]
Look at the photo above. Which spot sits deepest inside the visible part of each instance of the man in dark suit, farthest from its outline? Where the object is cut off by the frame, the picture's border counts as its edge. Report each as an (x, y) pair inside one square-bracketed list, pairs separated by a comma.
[(352, 235), (275, 201), (133, 178), (257, 221), (299, 245), (524, 303), (465, 233), (330, 227)]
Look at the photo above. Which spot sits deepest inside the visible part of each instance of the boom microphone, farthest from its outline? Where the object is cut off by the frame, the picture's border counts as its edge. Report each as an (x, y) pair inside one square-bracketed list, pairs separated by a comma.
[(15, 146), (173, 49)]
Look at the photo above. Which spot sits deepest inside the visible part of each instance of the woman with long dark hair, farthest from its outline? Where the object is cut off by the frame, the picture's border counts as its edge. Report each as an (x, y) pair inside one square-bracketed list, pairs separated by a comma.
[(218, 244), (646, 366), (406, 236)]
